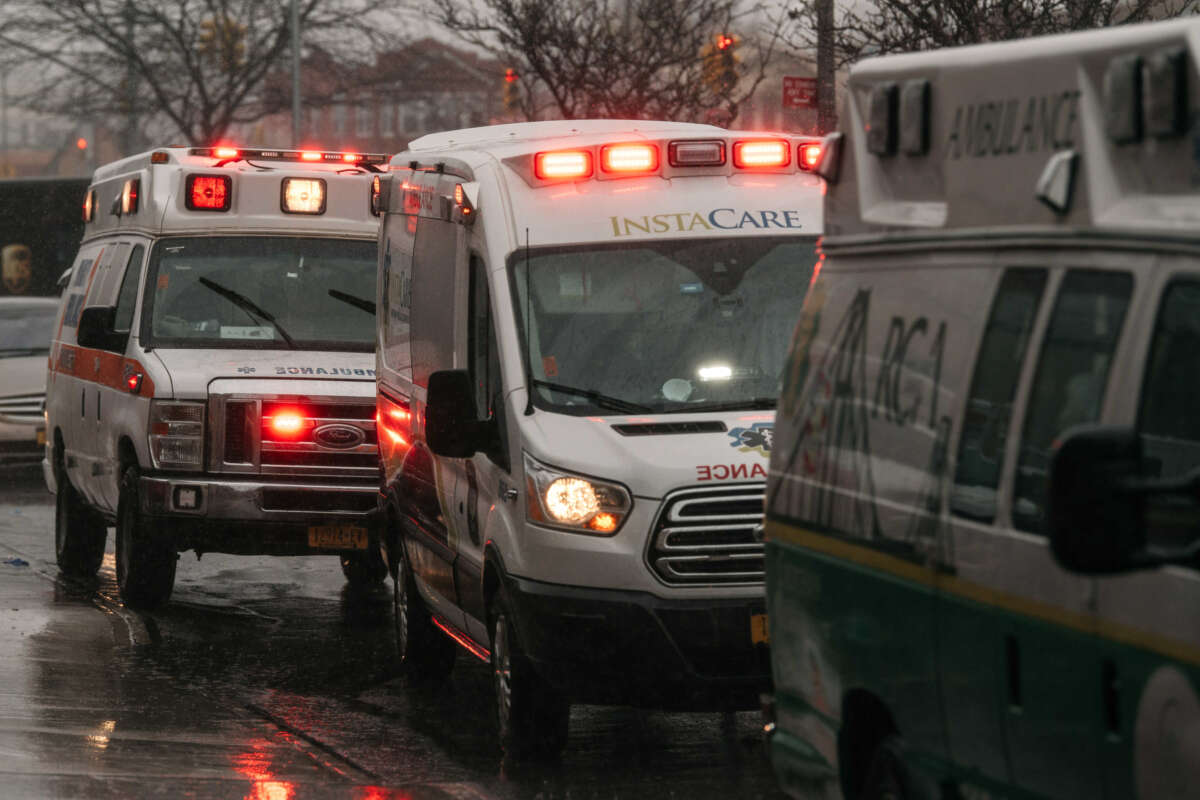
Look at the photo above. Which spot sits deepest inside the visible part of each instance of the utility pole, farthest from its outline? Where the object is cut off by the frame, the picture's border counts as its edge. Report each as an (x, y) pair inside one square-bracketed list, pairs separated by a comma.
[(295, 73), (826, 100), (131, 131)]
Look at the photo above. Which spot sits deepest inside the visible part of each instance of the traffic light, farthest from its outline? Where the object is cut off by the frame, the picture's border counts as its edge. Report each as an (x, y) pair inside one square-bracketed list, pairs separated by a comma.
[(512, 92), (720, 64)]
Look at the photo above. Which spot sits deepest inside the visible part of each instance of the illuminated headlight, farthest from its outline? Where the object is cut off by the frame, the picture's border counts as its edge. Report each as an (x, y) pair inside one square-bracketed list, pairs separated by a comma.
[(177, 434), (573, 502)]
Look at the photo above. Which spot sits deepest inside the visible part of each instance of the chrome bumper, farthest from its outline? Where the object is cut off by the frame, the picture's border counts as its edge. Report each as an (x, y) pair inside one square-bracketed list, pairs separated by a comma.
[(255, 500)]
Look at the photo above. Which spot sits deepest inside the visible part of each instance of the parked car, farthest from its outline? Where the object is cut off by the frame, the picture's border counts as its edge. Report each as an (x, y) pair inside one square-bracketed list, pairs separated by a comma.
[(26, 326)]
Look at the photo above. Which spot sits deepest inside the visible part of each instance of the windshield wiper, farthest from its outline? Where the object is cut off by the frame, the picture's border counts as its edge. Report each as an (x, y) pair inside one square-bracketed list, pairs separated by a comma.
[(601, 400), (357, 302), (246, 304), (749, 403)]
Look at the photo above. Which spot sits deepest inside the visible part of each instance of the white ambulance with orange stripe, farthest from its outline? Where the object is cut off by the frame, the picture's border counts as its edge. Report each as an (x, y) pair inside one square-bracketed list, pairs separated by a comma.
[(211, 378)]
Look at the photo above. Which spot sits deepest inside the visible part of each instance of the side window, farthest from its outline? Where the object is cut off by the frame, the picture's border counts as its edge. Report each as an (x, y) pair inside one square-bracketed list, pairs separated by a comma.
[(993, 387), (484, 359), (1167, 421), (1072, 371), (127, 297), (431, 298)]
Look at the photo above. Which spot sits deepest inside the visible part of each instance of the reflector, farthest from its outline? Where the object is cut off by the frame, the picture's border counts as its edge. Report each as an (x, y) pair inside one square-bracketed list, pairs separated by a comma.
[(209, 192), (563, 164), (629, 158), (303, 196), (752, 153), (808, 156)]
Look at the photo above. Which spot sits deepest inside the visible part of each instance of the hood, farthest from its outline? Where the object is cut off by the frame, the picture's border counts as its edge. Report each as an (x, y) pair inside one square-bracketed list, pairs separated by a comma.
[(192, 371), (657, 454)]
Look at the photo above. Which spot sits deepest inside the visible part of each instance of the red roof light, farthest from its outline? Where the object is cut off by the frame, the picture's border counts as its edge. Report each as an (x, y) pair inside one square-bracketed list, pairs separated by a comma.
[(808, 156), (209, 192), (751, 153), (226, 152), (629, 158), (310, 155), (563, 164)]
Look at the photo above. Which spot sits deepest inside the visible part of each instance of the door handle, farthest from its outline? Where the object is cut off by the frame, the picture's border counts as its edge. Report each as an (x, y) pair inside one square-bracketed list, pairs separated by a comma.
[(508, 493)]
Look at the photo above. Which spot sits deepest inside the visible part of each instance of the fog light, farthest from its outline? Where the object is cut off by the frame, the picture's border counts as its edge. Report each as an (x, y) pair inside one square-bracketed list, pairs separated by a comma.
[(188, 498)]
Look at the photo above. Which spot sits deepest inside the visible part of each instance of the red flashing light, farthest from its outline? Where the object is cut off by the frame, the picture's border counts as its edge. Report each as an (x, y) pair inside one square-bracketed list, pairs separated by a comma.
[(629, 158), (351, 158), (209, 192), (288, 423), (134, 382), (81, 143), (510, 75), (226, 152), (752, 153), (724, 41), (808, 156), (129, 196), (458, 194), (563, 164), (310, 155)]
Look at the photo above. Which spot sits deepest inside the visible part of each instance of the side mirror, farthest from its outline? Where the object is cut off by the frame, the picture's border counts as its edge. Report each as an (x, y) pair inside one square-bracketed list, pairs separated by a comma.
[(451, 428), (96, 329), (1095, 513)]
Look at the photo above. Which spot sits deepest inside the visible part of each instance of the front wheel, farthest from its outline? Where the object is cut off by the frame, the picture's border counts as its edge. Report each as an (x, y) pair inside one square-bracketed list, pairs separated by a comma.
[(79, 533), (146, 557), (423, 653), (531, 716)]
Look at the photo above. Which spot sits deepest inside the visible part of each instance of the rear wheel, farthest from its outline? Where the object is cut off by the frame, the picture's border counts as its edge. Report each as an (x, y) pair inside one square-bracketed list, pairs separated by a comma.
[(146, 557), (79, 533), (532, 717), (423, 653)]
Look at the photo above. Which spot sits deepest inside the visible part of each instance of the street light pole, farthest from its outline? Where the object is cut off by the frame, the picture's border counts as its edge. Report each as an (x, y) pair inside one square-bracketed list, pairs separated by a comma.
[(295, 73), (826, 101)]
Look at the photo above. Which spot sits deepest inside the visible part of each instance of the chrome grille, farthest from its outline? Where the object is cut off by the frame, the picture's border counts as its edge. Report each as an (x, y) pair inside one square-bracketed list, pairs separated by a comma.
[(244, 441), (706, 536), (22, 408)]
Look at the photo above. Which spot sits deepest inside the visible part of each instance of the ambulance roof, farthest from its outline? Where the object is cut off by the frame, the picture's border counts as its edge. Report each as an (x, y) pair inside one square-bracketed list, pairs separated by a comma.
[(1063, 134), (672, 180), (150, 193)]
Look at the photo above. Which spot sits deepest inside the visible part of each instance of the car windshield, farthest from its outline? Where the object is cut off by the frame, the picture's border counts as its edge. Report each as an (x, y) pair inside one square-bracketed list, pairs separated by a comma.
[(672, 326), (265, 292), (26, 330)]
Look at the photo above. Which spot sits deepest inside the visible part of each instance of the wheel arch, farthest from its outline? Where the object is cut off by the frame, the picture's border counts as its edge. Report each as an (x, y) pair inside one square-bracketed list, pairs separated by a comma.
[(866, 722)]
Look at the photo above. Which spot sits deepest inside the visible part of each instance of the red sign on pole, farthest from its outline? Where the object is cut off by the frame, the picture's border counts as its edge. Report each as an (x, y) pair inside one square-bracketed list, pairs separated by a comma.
[(799, 92)]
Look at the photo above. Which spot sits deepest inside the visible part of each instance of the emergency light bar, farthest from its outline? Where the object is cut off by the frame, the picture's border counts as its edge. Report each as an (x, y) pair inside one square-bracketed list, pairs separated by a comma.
[(317, 156)]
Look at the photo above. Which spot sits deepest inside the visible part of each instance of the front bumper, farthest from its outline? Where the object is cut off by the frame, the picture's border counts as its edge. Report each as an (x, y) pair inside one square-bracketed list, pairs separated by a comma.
[(253, 517), (22, 443), (610, 646)]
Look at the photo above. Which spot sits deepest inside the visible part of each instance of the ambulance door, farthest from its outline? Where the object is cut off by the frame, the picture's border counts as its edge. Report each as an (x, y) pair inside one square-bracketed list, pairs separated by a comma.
[(972, 636), (1148, 714), (485, 478), (1054, 676), (118, 411), (96, 367)]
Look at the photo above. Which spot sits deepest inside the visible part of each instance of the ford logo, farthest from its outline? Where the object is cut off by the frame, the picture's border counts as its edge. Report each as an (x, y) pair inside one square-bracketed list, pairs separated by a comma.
[(339, 436)]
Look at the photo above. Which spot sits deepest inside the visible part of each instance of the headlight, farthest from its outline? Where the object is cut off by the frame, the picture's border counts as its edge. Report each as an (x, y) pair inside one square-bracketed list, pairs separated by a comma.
[(177, 434), (572, 502)]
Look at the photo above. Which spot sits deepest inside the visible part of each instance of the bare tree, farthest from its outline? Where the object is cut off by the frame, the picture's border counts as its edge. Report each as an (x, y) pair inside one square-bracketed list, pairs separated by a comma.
[(618, 59), (198, 64), (893, 26)]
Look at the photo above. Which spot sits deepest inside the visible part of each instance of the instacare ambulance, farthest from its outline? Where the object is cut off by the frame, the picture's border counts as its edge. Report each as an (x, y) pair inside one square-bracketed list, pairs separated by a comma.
[(982, 524), (211, 378), (582, 328)]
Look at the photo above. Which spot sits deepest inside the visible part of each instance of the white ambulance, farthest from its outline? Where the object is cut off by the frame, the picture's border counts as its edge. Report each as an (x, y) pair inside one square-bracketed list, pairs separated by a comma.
[(582, 330), (211, 377)]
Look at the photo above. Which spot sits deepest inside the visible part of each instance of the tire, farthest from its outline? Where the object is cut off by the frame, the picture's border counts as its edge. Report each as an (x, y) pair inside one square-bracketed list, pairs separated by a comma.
[(531, 717), (424, 654), (79, 533), (146, 557), (364, 569), (887, 777)]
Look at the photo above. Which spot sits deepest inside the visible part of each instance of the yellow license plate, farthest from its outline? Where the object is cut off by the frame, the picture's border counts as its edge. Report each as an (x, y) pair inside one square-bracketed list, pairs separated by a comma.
[(759, 633), (41, 437), (337, 537)]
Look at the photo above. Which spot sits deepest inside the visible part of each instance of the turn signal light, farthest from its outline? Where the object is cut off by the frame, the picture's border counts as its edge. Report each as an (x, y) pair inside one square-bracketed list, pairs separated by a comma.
[(629, 158), (209, 192), (563, 164), (753, 153), (808, 156)]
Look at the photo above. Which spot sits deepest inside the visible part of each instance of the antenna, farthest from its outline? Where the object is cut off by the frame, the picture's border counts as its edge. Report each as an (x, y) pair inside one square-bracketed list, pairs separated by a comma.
[(528, 335)]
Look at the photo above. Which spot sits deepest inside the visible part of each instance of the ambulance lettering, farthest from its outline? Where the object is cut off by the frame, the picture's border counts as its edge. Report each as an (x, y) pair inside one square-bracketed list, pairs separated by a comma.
[(1014, 125), (729, 219), (348, 371), (731, 472)]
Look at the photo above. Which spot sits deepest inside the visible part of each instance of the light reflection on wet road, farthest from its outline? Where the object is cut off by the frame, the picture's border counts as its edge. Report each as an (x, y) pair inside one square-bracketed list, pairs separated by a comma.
[(267, 679)]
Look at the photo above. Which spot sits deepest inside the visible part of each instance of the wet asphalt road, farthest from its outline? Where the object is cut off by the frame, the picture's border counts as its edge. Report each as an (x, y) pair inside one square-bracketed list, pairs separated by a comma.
[(265, 678)]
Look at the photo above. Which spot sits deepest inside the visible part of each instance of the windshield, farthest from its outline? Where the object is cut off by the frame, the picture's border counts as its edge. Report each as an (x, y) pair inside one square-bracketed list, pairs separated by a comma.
[(661, 326), (259, 291), (26, 331)]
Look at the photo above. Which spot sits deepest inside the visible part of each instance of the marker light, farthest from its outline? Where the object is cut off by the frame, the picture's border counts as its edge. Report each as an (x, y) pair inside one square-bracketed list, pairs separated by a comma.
[(129, 196), (459, 195), (808, 156), (89, 205), (209, 192), (376, 196), (226, 152), (696, 154), (629, 158), (752, 153), (603, 522), (303, 196), (563, 164), (134, 383)]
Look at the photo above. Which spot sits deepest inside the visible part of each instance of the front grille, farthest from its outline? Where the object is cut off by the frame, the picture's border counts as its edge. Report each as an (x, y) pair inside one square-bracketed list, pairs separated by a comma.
[(706, 536), (22, 408), (247, 442)]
